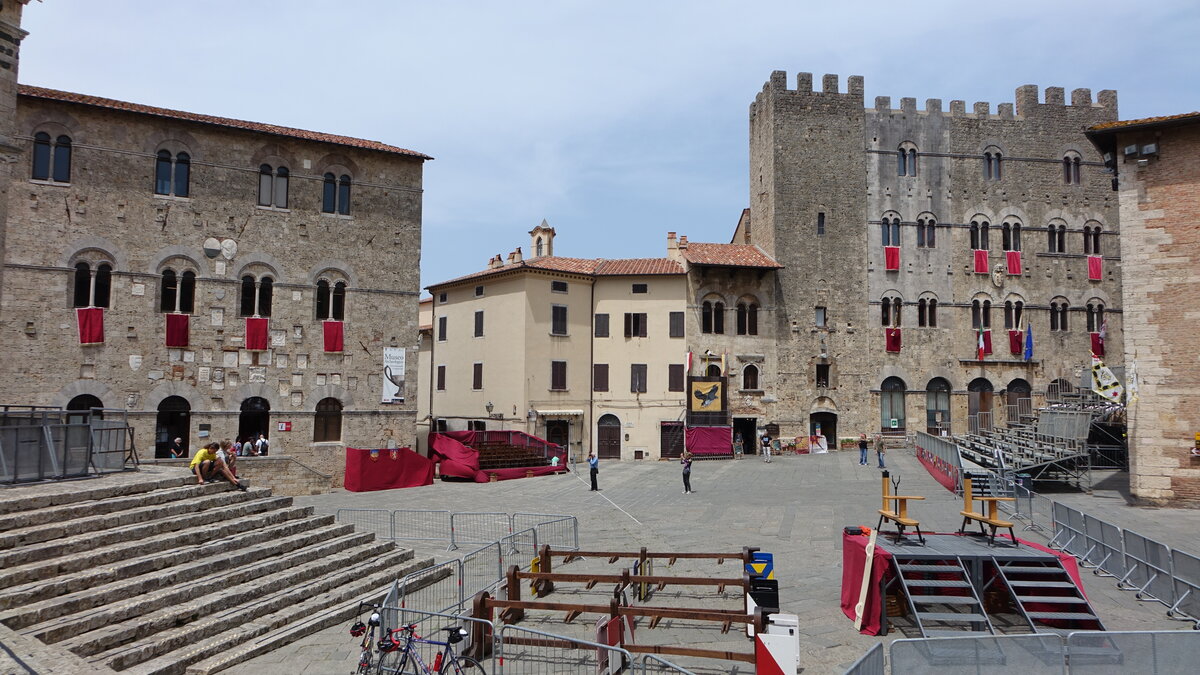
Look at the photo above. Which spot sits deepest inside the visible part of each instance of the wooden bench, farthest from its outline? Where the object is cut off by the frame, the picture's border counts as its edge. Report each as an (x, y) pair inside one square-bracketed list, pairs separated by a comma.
[(990, 519), (899, 513)]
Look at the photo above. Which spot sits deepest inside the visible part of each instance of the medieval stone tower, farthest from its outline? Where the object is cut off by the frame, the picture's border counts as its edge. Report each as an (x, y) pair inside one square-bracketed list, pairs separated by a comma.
[(10, 46), (909, 235)]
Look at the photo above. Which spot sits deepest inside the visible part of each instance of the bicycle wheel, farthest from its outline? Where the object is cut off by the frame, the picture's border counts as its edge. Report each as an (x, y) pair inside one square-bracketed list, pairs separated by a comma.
[(365, 667), (398, 662), (462, 665)]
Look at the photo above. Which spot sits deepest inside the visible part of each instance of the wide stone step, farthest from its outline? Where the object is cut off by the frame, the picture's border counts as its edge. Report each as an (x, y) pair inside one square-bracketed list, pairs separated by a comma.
[(31, 498), (176, 646), (335, 606), (178, 566), (191, 499), (230, 504), (96, 507), (268, 515), (202, 591)]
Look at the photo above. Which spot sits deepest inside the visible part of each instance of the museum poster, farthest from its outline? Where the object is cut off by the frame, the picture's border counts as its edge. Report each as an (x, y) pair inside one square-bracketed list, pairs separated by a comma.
[(393, 374)]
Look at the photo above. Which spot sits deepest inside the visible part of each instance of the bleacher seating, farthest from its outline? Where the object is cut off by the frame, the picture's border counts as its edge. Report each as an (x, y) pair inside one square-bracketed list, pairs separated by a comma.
[(500, 455)]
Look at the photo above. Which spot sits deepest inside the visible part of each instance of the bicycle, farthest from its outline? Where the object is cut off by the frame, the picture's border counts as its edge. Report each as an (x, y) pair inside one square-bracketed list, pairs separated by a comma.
[(367, 633), (402, 657)]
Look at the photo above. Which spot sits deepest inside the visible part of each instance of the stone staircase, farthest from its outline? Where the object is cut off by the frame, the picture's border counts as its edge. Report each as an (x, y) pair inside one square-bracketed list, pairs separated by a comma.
[(150, 573)]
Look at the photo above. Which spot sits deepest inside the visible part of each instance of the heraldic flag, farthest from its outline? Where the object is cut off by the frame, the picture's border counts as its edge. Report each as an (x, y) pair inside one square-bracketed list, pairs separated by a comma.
[(1104, 382)]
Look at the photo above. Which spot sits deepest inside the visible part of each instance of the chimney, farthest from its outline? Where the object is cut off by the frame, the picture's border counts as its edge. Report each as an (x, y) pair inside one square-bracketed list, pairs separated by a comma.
[(671, 243), (683, 241), (516, 255), (494, 262)]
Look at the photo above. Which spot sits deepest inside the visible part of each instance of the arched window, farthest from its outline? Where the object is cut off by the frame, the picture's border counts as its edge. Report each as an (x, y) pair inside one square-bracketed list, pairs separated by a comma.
[(1056, 238), (1071, 168), (922, 307), (1095, 316), (752, 323), (974, 235), (1091, 240), (178, 292), (713, 370), (750, 377), (719, 318), (983, 236), (932, 313), (83, 285), (344, 195), (255, 418), (173, 421), (265, 287), (927, 312), (937, 407), (273, 186), (172, 174), (981, 314), (335, 197), (706, 317), (256, 296), (327, 423), (926, 232), (890, 311), (82, 406), (992, 167), (979, 235), (538, 247), (1012, 314), (323, 298), (331, 301), (92, 289), (891, 404), (170, 291), (51, 160), (741, 318), (1058, 314)]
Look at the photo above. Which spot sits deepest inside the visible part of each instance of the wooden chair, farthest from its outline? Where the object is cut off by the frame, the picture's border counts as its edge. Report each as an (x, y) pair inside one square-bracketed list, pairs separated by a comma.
[(990, 519), (898, 514)]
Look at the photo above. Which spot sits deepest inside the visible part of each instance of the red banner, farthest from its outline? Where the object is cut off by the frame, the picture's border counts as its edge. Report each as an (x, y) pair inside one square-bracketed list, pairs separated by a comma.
[(987, 341), (1097, 344), (333, 336), (1016, 342), (256, 334), (892, 337), (177, 330), (891, 258), (1095, 267), (981, 262), (91, 325), (1012, 260), (709, 440), (386, 469)]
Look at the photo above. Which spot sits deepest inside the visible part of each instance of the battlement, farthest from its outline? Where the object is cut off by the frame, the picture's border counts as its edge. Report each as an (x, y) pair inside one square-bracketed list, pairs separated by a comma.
[(1026, 105), (804, 84)]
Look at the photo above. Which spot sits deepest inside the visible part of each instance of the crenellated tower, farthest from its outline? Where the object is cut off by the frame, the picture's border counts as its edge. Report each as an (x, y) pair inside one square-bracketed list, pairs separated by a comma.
[(10, 47)]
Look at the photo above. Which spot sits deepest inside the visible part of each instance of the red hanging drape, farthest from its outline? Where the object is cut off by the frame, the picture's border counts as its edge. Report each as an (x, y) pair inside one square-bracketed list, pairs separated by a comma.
[(91, 325), (256, 334), (987, 341), (1095, 267), (891, 258), (892, 336), (981, 262), (1016, 342), (177, 330), (1012, 260), (1097, 344), (333, 336)]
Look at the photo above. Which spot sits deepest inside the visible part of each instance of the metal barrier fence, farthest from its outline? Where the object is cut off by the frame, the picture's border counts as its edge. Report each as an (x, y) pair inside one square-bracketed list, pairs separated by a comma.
[(943, 453), (1185, 571), (525, 651), (431, 627), (376, 521), (43, 447), (560, 532), (478, 528), (653, 664), (1037, 653), (462, 530), (418, 525), (871, 663), (1148, 569)]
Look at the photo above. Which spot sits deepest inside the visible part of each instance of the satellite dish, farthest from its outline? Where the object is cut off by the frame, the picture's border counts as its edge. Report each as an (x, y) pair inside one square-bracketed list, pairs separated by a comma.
[(212, 247)]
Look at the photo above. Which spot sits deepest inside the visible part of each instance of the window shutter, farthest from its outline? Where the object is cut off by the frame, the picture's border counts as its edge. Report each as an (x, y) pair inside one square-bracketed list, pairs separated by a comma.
[(628, 324), (600, 377), (675, 377), (676, 324)]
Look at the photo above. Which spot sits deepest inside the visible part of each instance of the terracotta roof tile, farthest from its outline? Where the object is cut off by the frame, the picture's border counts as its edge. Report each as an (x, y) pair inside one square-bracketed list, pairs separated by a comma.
[(638, 266), (1145, 121), (584, 266), (111, 104), (728, 255)]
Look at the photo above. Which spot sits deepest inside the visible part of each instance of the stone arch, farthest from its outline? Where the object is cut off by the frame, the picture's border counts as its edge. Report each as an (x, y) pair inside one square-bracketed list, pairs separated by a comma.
[(338, 266), (273, 154), (181, 389), (328, 391), (259, 389), (893, 371), (91, 387), (159, 260), (173, 139), (57, 122), (264, 260), (822, 404), (337, 164), (75, 248)]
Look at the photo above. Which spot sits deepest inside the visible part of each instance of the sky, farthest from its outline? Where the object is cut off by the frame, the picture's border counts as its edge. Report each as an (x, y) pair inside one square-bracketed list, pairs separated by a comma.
[(615, 121)]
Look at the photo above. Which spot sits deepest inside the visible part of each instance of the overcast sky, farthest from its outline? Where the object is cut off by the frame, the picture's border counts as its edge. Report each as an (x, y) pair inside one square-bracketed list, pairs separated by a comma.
[(616, 121)]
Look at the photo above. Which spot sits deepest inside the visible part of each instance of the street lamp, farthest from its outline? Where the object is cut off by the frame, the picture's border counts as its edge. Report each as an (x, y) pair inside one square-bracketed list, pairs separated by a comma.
[(489, 407)]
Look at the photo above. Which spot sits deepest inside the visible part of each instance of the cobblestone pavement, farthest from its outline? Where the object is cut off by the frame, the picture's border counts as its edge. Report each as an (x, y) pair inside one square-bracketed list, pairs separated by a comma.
[(794, 507)]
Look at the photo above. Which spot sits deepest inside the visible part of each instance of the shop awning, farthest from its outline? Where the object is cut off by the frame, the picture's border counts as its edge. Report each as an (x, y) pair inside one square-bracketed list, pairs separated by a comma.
[(560, 413)]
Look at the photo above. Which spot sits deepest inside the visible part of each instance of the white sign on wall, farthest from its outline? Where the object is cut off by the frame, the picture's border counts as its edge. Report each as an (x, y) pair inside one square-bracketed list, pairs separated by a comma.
[(393, 375)]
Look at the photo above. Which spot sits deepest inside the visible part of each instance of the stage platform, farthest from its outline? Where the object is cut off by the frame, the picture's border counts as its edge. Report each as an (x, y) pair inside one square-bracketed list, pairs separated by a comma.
[(966, 547)]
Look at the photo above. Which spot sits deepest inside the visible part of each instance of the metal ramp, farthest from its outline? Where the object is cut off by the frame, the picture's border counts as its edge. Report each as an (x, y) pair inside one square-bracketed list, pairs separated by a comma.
[(941, 597), (1047, 597)]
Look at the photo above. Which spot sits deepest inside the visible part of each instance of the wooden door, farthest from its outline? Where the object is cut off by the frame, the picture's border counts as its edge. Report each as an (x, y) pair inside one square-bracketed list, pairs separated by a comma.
[(608, 437)]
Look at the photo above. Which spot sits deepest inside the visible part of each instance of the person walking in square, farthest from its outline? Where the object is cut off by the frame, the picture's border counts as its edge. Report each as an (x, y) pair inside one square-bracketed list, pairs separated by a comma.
[(862, 449), (594, 470), (686, 460), (880, 450)]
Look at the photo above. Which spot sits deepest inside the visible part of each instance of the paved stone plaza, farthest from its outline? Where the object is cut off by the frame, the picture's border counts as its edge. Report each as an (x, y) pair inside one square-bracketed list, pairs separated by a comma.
[(794, 507)]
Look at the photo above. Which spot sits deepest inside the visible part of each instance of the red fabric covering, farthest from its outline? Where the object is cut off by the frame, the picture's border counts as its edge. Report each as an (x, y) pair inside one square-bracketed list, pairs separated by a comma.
[(177, 330), (91, 325), (333, 336), (854, 559), (1097, 344), (987, 341), (1016, 342), (710, 440), (892, 338), (368, 470), (1012, 260), (891, 257), (981, 262), (256, 334), (457, 460), (1095, 267), (941, 471)]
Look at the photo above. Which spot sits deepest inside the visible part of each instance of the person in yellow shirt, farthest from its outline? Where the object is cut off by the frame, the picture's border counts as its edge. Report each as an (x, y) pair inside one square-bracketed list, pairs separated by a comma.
[(206, 462)]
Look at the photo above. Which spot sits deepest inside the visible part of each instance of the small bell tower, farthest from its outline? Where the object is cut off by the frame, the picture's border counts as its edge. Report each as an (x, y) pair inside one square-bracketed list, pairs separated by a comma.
[(541, 240)]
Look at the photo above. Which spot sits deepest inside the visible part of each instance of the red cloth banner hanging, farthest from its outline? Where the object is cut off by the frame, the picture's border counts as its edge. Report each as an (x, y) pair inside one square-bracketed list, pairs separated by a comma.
[(91, 325), (256, 334), (1095, 268), (981, 262), (1097, 344), (1012, 260), (1016, 342), (891, 258), (177, 330), (333, 336), (987, 341), (892, 336)]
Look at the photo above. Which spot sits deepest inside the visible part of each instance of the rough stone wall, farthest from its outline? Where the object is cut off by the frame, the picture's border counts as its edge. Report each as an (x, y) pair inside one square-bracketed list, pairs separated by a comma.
[(109, 212), (10, 46), (1159, 237), (285, 476), (806, 159)]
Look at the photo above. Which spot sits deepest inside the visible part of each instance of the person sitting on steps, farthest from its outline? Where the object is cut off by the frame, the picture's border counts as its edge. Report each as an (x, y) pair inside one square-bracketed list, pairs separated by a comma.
[(206, 464)]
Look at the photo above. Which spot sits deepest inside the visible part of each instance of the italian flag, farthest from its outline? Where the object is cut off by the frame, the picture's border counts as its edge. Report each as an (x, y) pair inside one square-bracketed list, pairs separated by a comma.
[(981, 343)]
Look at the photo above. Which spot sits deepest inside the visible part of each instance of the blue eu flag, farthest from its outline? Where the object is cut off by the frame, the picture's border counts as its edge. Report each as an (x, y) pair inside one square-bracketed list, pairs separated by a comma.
[(1028, 341)]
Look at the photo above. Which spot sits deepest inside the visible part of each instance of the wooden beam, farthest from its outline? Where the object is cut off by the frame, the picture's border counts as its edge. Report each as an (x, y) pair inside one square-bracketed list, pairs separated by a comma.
[(689, 651)]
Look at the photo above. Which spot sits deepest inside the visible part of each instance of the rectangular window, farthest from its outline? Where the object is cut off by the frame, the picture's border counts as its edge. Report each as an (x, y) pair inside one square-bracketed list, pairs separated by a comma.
[(478, 291), (601, 329), (476, 425), (600, 377), (637, 378), (558, 319), (558, 375), (823, 375), (635, 324), (675, 378), (441, 378), (479, 323), (477, 376), (442, 297), (821, 223), (640, 288), (676, 321), (820, 317), (441, 329), (558, 286)]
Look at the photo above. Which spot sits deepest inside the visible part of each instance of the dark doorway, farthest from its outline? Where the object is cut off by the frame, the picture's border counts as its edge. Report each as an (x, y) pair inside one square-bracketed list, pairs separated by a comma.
[(670, 440), (608, 437), (558, 432), (1018, 399), (824, 424), (80, 409), (174, 421), (255, 418), (747, 428), (979, 405)]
